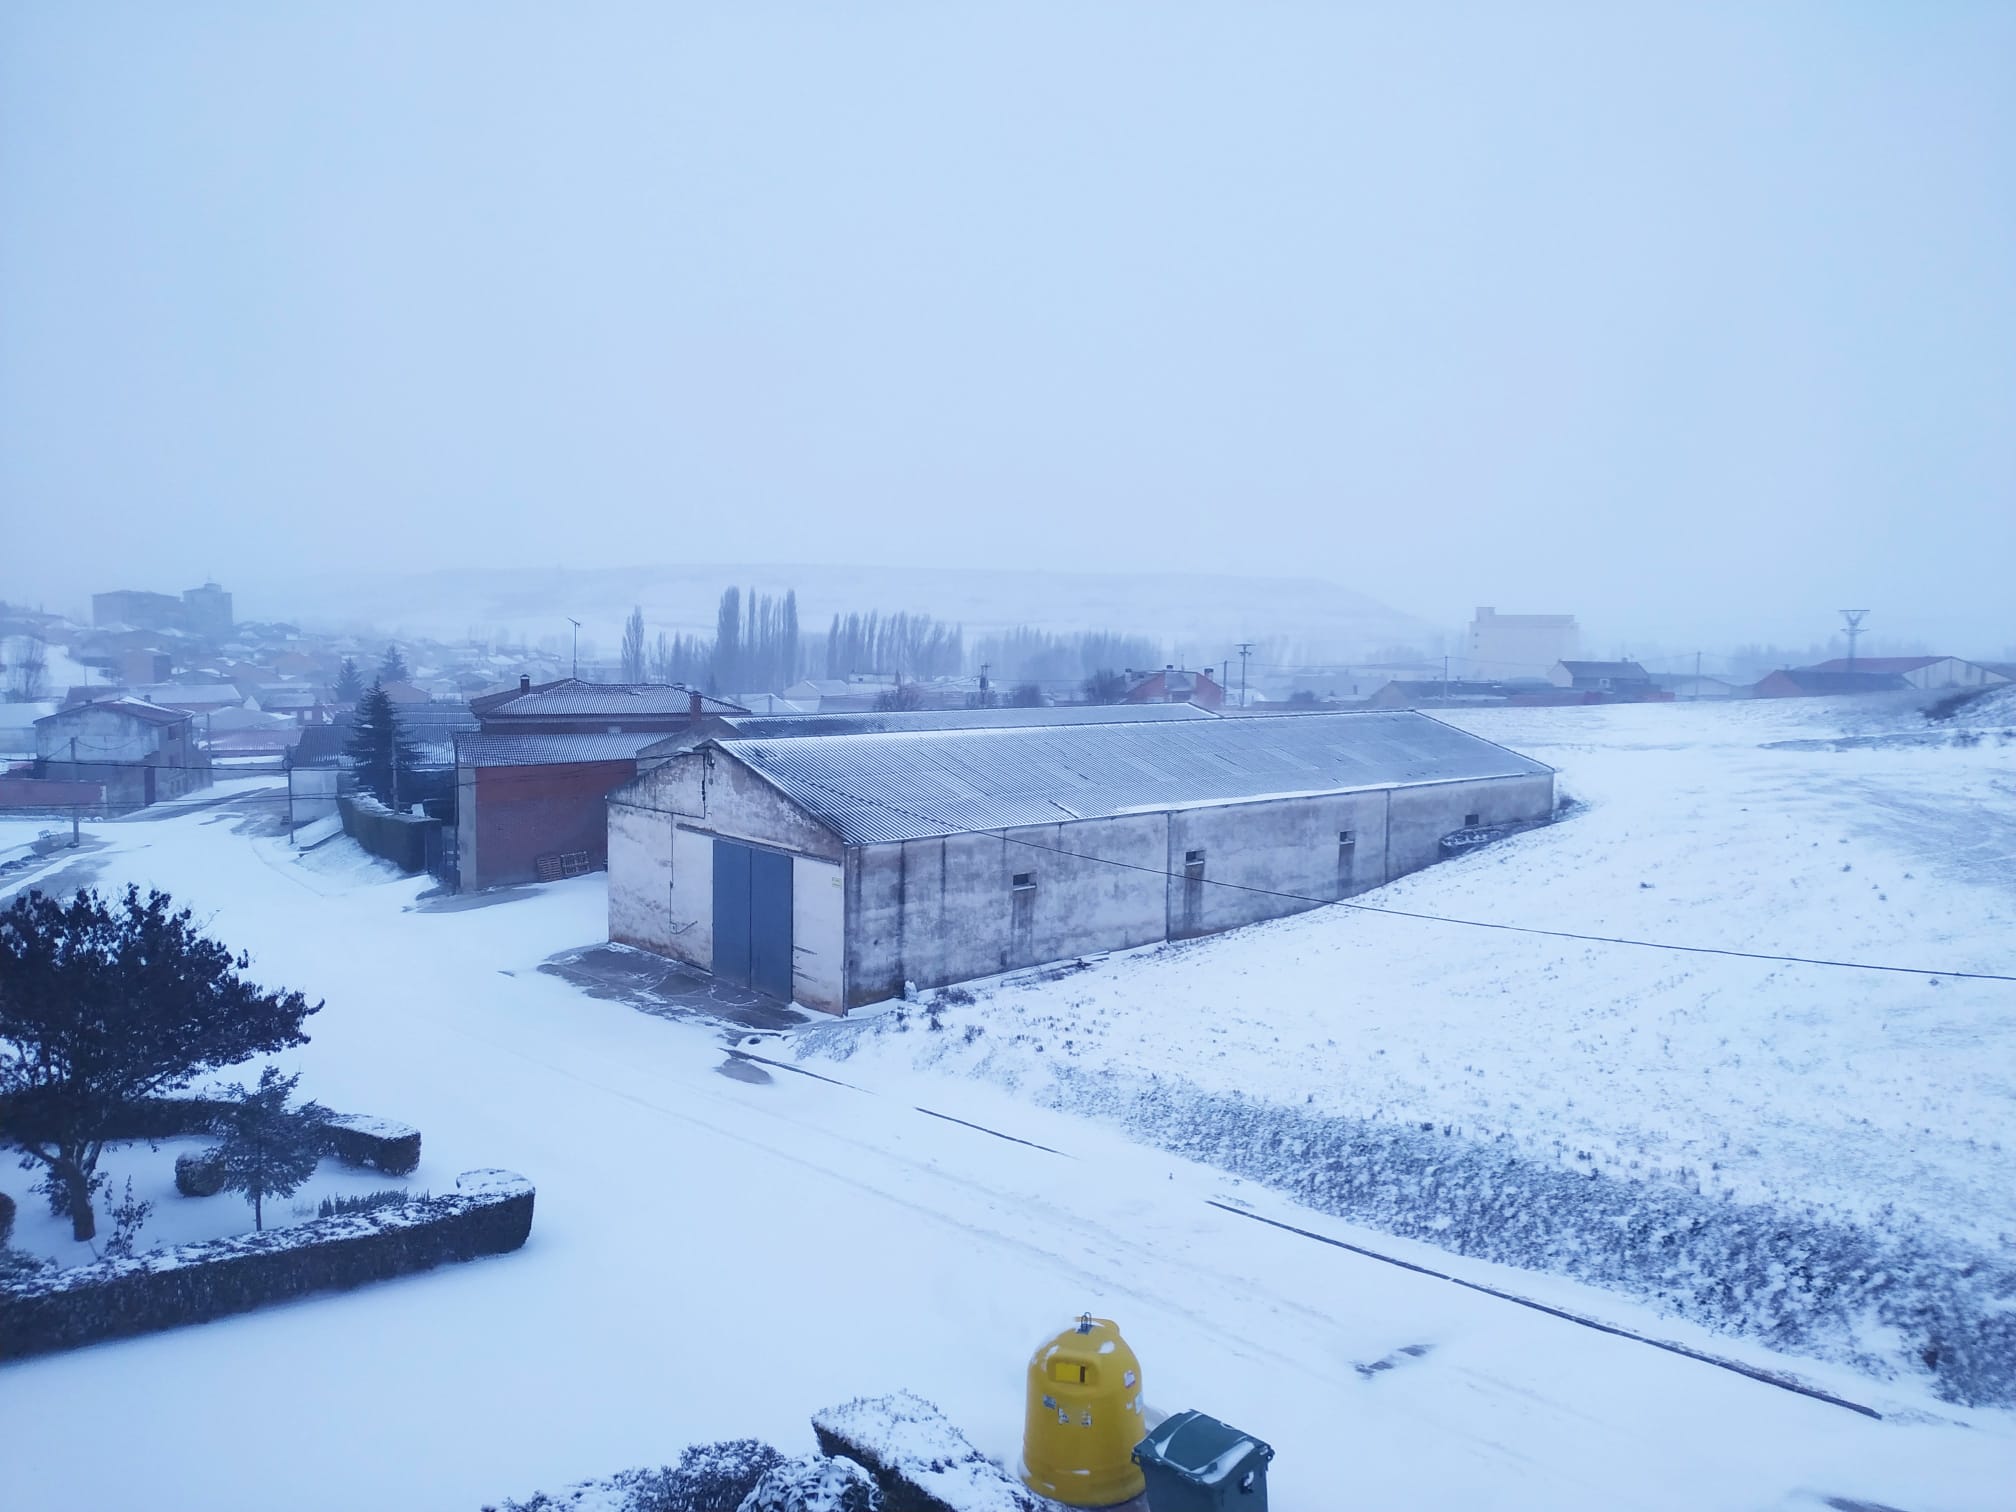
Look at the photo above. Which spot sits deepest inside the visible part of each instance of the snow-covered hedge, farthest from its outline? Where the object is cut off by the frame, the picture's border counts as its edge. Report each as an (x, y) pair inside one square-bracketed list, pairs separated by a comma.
[(358, 1139), (1878, 1295), (814, 1483), (383, 1144), (708, 1478), (919, 1458), (490, 1214)]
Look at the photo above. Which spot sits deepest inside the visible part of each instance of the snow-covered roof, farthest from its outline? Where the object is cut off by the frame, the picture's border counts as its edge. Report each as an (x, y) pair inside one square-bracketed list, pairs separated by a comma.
[(137, 708), (872, 788), (551, 750), (599, 699)]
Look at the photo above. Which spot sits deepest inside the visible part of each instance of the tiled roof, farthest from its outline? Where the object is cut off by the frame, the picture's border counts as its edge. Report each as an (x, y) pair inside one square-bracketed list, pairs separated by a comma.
[(873, 788)]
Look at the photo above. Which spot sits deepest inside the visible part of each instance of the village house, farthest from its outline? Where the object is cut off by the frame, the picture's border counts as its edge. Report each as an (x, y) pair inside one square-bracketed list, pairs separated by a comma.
[(1811, 682), (837, 870), (1175, 685), (531, 780), (1624, 677), (136, 752), (1928, 672)]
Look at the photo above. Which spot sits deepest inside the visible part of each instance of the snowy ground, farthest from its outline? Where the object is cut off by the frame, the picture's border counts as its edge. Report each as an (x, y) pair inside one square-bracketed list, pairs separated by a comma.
[(715, 1257)]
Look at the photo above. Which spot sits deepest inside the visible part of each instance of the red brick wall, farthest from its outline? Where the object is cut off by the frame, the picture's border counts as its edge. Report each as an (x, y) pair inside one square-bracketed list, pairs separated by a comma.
[(526, 812)]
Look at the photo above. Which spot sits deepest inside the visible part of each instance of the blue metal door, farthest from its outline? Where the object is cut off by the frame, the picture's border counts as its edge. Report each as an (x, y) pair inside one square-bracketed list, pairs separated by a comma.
[(752, 918), (770, 923), (731, 912)]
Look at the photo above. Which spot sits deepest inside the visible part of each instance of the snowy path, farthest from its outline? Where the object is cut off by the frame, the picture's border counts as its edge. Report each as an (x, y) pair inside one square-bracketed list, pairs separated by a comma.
[(714, 1257)]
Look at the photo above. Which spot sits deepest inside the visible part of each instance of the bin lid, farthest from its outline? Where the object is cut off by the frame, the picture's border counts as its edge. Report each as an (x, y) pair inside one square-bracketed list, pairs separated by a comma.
[(1200, 1448)]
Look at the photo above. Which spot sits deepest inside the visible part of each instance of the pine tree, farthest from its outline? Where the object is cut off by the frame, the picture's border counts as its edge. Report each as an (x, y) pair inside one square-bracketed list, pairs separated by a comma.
[(268, 1148), (349, 682), (104, 1005), (393, 667), (382, 753)]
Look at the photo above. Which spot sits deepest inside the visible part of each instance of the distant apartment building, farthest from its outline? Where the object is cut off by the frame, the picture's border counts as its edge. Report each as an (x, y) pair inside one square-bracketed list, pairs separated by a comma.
[(207, 611), (140, 610), (204, 611), (1504, 647)]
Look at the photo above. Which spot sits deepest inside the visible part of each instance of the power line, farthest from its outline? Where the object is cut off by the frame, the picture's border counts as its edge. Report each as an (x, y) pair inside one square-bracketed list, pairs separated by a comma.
[(1405, 913)]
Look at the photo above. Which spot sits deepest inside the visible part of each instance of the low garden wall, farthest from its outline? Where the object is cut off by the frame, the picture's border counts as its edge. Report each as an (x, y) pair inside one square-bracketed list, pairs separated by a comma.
[(490, 1213), (398, 838)]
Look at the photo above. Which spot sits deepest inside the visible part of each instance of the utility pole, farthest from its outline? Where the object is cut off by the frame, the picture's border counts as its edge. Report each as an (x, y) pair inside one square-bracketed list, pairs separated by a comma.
[(577, 646), (1697, 674), (1445, 679), (1245, 650), (73, 807), (1854, 617)]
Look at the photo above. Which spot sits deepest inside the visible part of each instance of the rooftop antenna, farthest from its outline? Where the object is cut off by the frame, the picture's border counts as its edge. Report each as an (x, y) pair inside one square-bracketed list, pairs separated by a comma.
[(577, 645), (1854, 618)]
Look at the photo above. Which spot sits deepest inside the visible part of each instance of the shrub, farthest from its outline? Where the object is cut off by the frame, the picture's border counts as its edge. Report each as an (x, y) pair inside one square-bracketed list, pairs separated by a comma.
[(813, 1483), (199, 1173), (491, 1214), (6, 1219), (337, 1207), (379, 1144), (708, 1478), (920, 1460)]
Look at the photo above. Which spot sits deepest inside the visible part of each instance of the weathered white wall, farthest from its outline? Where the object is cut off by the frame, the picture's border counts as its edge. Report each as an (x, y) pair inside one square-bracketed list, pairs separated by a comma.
[(818, 934), (932, 912)]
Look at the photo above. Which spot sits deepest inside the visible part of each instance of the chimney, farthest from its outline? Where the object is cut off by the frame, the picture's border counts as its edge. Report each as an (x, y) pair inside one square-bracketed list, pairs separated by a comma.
[(524, 682), (692, 704)]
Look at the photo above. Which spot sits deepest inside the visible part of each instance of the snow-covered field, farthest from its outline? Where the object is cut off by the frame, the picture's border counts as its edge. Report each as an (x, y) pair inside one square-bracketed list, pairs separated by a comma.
[(714, 1257)]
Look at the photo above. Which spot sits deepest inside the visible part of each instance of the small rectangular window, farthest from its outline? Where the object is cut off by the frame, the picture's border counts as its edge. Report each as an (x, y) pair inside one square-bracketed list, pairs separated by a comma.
[(1025, 881), (1347, 837), (1193, 858), (1473, 820)]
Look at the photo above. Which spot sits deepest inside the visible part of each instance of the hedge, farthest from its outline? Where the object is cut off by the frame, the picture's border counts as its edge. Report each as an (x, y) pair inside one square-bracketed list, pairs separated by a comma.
[(920, 1460), (358, 1139), (491, 1214), (813, 1483), (382, 1144)]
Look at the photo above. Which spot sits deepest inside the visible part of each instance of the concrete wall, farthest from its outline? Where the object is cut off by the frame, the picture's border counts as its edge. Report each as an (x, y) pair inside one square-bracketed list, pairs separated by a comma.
[(932, 912)]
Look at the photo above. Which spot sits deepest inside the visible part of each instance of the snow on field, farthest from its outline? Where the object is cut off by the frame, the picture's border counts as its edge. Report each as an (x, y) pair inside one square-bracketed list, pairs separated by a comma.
[(714, 1257), (1883, 1099)]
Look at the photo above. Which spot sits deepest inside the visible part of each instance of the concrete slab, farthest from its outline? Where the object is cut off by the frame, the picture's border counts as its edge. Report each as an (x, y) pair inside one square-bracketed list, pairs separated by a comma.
[(668, 989)]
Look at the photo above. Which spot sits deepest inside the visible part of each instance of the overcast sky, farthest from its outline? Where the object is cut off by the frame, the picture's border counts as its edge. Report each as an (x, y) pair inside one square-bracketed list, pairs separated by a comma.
[(1699, 323)]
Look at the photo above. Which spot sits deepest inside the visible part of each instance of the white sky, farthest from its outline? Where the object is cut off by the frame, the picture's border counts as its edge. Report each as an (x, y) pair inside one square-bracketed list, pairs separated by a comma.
[(1697, 321)]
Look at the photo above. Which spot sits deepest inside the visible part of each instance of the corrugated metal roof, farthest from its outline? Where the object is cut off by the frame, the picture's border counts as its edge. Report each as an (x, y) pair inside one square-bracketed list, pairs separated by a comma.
[(550, 750), (790, 726), (871, 788)]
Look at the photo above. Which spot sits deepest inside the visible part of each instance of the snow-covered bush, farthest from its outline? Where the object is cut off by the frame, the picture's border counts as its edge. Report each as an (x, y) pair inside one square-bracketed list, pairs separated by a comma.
[(60, 1309), (708, 1478), (1881, 1297), (6, 1219), (199, 1173), (814, 1483), (381, 1144), (918, 1457)]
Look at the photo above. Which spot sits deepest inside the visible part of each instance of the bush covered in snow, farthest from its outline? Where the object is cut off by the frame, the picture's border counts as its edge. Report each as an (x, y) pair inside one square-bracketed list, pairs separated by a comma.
[(6, 1218), (918, 1456), (199, 1173), (1882, 1297), (813, 1483), (708, 1478), (60, 1309), (381, 1144)]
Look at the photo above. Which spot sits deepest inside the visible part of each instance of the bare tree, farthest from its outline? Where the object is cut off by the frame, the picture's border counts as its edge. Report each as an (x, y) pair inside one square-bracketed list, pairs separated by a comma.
[(633, 646), (1106, 687), (28, 673), (900, 699)]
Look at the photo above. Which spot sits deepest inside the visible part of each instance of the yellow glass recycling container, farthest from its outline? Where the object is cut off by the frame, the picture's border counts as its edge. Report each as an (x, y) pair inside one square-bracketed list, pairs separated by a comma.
[(1084, 1417)]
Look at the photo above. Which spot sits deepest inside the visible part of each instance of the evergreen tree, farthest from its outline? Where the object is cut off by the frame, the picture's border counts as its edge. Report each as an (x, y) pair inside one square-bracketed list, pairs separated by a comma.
[(633, 646), (1025, 696), (1106, 687), (393, 667), (383, 754), (268, 1148), (103, 1005), (349, 682)]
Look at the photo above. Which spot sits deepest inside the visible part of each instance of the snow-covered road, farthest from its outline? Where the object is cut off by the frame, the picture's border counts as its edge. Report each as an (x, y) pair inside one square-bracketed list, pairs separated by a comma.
[(715, 1257)]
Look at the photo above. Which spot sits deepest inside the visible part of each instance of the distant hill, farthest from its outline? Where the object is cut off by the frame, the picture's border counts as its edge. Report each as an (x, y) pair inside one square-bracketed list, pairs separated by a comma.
[(1206, 611)]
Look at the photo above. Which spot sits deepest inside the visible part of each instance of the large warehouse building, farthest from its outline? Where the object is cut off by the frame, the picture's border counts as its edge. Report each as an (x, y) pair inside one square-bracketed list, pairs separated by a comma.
[(834, 870)]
